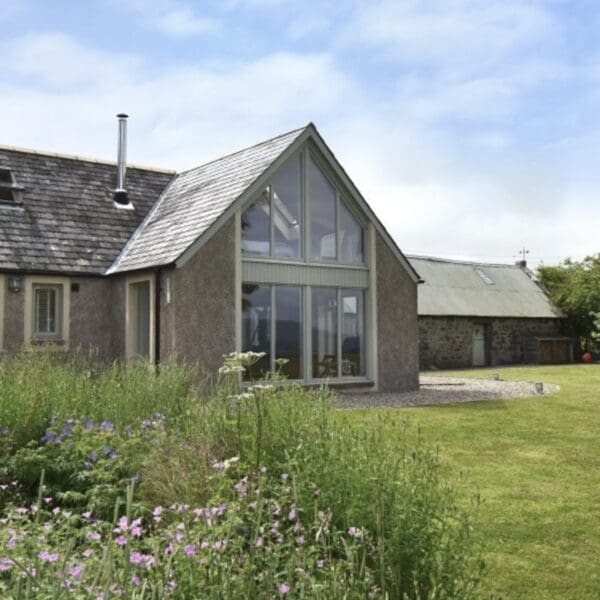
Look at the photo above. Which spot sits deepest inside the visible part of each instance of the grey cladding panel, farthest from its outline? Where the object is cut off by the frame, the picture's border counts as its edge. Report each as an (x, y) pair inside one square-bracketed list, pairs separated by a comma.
[(302, 274)]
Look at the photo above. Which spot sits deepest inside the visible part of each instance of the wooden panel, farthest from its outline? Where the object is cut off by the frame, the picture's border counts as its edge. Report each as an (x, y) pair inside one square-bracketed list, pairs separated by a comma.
[(303, 274), (554, 351)]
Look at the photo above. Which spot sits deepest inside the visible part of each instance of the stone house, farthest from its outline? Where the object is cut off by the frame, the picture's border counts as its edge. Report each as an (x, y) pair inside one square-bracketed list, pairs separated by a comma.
[(476, 314), (270, 249)]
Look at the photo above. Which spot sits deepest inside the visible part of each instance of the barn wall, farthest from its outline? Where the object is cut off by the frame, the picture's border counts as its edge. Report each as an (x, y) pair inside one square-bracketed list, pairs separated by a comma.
[(447, 342)]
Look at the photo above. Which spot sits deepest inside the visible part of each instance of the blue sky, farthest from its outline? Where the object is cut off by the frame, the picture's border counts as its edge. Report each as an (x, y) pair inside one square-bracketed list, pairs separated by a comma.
[(472, 127)]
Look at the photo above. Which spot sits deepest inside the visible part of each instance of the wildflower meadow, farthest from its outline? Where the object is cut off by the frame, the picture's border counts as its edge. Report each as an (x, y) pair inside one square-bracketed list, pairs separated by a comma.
[(126, 482)]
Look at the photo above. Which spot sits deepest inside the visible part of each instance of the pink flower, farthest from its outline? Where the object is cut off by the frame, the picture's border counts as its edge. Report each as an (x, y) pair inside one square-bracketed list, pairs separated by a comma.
[(88, 552), (46, 556), (292, 513), (136, 531), (121, 540), (21, 510), (93, 535), (300, 540), (283, 588), (169, 549), (189, 550), (135, 580)]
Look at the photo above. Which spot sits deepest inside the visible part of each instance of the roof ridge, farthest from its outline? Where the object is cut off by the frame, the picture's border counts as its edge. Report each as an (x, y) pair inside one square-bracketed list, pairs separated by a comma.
[(230, 154), (83, 159), (461, 262)]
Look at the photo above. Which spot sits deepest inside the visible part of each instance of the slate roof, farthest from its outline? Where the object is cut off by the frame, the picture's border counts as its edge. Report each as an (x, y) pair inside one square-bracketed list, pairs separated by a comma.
[(194, 201), (454, 288), (68, 222)]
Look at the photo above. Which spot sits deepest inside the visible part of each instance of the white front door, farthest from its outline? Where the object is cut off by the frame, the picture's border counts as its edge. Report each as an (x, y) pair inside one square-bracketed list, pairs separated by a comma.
[(478, 345)]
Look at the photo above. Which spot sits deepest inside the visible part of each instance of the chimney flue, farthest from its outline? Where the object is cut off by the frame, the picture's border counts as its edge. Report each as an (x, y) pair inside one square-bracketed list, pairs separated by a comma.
[(120, 196)]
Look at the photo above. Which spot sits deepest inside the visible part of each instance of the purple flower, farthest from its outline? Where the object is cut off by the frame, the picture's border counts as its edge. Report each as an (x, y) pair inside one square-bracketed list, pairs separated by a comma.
[(75, 571), (93, 536), (121, 540), (241, 487), (107, 426), (300, 540), (135, 580), (5, 564), (292, 513), (46, 556), (283, 588), (88, 424), (135, 558), (189, 550), (169, 549), (48, 436), (88, 552)]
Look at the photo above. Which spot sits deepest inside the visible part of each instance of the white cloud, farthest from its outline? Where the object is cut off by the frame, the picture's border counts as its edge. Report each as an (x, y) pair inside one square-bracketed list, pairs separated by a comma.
[(170, 17)]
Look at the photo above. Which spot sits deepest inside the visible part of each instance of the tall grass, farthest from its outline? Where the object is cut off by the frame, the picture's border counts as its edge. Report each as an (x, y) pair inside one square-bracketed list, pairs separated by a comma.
[(36, 386), (370, 478)]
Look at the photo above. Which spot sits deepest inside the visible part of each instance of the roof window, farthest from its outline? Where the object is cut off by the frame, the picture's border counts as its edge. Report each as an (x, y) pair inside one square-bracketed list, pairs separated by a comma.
[(484, 277), (10, 192)]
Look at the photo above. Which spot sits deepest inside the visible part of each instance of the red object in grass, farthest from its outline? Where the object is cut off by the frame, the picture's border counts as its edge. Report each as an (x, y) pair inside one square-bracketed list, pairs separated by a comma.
[(587, 357)]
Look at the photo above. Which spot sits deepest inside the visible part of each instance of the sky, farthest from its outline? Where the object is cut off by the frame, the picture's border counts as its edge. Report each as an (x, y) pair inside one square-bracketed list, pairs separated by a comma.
[(471, 127)]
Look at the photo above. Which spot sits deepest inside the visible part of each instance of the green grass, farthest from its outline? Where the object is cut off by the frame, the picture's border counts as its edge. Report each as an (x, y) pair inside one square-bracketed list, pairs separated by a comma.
[(536, 464)]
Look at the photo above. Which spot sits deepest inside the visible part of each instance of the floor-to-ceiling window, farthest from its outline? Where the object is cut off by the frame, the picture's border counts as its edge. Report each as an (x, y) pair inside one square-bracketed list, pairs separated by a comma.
[(310, 326)]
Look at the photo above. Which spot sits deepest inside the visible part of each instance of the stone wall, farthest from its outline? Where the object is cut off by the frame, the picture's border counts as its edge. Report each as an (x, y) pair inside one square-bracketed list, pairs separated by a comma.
[(447, 342), (203, 297), (397, 327)]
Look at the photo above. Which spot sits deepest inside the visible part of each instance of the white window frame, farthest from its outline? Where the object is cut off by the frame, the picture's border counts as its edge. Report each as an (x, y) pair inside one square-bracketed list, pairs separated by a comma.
[(61, 339), (130, 316)]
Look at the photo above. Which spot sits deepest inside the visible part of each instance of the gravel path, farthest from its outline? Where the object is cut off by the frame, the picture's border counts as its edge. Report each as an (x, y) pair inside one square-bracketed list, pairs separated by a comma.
[(445, 390)]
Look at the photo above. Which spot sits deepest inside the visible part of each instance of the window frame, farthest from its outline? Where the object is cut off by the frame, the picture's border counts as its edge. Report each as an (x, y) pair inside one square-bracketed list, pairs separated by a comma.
[(3, 284), (15, 189), (55, 335), (60, 339), (306, 329), (131, 317), (305, 155)]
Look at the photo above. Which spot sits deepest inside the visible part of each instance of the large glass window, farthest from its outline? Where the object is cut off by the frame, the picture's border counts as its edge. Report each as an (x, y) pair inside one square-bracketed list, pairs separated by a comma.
[(286, 210), (256, 226), (353, 333), (324, 332), (351, 237), (256, 326), (323, 238), (288, 330), (272, 225)]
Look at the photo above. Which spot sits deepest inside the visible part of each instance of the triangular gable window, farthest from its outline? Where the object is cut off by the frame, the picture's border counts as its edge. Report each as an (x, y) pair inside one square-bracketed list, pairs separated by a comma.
[(273, 225)]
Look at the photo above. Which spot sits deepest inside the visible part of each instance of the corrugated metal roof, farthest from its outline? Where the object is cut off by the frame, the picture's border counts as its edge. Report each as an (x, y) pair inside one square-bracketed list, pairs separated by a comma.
[(453, 288), (194, 201)]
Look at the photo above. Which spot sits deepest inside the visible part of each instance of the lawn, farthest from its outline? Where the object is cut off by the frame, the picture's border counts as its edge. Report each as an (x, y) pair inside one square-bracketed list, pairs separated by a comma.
[(536, 464)]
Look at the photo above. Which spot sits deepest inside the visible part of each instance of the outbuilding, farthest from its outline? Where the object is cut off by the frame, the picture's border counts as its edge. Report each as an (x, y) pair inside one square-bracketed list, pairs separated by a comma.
[(478, 314)]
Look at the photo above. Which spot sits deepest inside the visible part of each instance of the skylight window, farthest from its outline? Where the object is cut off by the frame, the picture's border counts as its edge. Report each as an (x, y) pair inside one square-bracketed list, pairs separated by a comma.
[(484, 277), (10, 192)]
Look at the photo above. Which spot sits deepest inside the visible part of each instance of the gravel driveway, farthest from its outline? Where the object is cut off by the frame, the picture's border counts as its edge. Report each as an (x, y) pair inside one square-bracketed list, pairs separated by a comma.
[(445, 390)]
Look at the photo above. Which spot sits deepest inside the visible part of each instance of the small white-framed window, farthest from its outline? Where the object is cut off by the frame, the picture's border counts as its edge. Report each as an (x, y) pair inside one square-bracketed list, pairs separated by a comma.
[(47, 310)]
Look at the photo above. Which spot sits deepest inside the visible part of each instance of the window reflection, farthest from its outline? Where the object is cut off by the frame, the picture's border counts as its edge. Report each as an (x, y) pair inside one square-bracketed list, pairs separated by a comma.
[(256, 326), (288, 330), (286, 210), (351, 237), (323, 239), (353, 336), (256, 227), (324, 332)]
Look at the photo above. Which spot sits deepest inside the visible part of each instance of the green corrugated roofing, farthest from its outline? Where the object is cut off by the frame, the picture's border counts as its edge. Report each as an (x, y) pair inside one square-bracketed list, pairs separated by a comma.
[(453, 288)]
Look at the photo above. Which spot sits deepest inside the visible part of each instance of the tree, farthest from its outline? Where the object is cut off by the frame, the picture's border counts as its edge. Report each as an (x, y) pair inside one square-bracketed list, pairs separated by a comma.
[(574, 286)]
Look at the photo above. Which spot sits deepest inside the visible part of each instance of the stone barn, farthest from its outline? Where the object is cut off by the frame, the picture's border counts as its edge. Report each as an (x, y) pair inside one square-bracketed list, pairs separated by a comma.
[(477, 314)]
